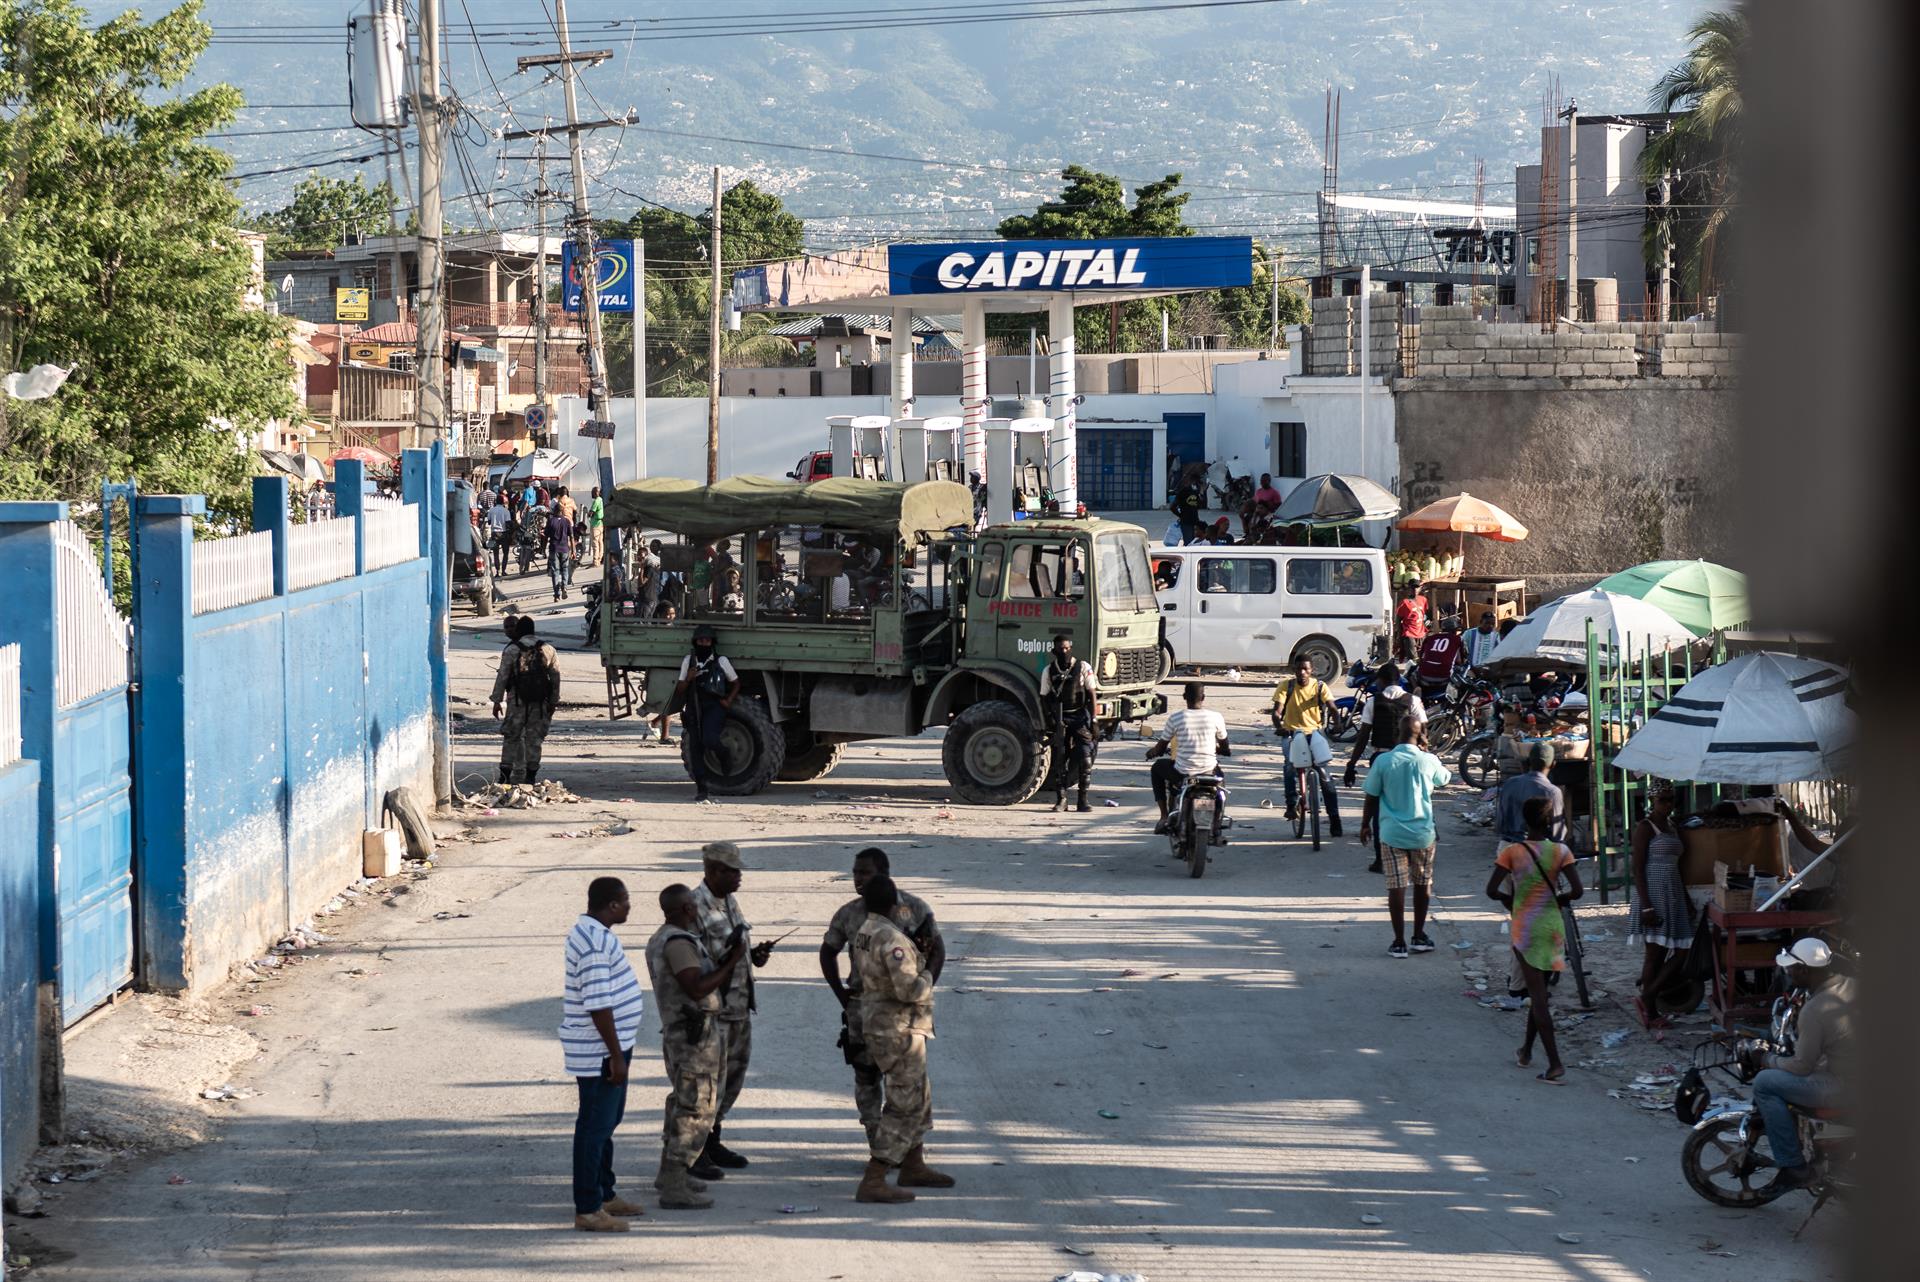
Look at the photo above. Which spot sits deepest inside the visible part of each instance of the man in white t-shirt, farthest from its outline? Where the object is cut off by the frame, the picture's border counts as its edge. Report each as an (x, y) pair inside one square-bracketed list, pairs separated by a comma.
[(1190, 743)]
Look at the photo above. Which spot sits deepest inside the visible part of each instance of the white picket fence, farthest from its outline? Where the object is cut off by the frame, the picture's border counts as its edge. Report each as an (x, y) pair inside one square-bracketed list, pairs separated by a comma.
[(393, 532), (232, 571), (319, 552), (95, 639), (9, 705)]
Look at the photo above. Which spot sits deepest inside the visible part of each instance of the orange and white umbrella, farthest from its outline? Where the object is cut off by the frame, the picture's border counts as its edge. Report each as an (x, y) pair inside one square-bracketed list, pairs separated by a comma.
[(1465, 514)]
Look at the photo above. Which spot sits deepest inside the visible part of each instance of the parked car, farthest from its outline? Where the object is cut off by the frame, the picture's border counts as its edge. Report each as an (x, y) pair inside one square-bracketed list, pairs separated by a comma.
[(1264, 607), (817, 466)]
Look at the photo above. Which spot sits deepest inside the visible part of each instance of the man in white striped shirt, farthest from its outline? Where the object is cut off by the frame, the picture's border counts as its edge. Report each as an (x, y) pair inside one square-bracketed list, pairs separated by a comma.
[(1190, 743), (599, 1019)]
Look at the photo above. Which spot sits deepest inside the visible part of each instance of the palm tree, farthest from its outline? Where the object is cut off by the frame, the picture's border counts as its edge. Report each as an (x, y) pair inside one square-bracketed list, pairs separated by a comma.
[(1695, 156)]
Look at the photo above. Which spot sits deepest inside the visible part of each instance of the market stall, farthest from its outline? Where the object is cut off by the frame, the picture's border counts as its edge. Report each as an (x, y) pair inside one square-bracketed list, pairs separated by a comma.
[(1758, 722)]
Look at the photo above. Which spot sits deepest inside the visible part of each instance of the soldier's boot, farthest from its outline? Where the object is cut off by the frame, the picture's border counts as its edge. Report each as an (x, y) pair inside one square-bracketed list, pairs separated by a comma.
[(1059, 800), (506, 774), (719, 1154), (678, 1194), (1083, 807), (874, 1186), (694, 1182), (916, 1174)]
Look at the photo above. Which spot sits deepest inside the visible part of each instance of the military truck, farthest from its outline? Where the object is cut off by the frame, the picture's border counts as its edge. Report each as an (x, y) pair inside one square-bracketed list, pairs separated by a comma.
[(874, 609)]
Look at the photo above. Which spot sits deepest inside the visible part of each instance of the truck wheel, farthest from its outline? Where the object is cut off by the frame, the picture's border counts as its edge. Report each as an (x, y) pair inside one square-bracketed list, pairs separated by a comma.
[(483, 599), (807, 758), (749, 755), (993, 756), (1166, 663)]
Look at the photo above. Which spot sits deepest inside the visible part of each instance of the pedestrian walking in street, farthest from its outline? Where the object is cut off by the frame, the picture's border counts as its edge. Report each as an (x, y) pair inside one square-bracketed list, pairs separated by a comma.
[(1526, 878), (528, 682), (1066, 696), (707, 687), (1410, 622), (722, 926), (1660, 916), (499, 528), (686, 983), (596, 525), (560, 553), (600, 1016), (1515, 793), (896, 1015), (911, 914), (1301, 705), (1376, 729), (1399, 791)]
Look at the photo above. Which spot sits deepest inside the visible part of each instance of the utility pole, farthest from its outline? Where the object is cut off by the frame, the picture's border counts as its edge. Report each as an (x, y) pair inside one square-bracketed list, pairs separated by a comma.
[(540, 194), (1273, 270), (587, 265), (713, 346), (430, 397), (1572, 117)]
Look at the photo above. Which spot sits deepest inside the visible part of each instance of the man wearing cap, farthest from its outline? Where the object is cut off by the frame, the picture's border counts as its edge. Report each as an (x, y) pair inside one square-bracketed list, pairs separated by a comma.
[(707, 687), (721, 926), (1515, 793), (915, 920), (1810, 1077), (686, 985)]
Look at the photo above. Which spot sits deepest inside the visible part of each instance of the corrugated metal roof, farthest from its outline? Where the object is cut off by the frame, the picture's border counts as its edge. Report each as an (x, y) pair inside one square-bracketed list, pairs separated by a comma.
[(809, 326)]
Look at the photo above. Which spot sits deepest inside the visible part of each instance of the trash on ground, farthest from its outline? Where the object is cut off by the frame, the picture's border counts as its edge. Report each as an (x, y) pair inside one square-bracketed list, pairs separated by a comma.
[(1103, 1032), (1111, 804), (447, 916), (1571, 1239), (1371, 1219), (1076, 1250), (1110, 1115), (1615, 1038), (798, 1210), (1154, 1046), (178, 1179), (257, 1010)]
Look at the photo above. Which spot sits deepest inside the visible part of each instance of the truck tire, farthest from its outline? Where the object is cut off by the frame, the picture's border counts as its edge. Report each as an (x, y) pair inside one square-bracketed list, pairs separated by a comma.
[(752, 751), (483, 599), (1166, 664), (807, 758), (993, 754)]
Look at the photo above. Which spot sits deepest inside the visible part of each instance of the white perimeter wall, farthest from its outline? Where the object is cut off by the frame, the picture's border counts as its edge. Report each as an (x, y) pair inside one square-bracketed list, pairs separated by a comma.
[(766, 436)]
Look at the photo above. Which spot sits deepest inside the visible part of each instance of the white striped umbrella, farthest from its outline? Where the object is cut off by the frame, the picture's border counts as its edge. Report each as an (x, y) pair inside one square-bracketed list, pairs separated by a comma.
[(1759, 719), (1555, 634)]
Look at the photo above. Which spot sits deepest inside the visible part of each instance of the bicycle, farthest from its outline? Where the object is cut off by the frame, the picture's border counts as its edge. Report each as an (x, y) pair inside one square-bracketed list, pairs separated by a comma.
[(1306, 777)]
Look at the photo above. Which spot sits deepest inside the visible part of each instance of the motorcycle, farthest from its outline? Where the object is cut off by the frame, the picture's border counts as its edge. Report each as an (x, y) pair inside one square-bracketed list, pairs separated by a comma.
[(1363, 681), (1461, 704), (1199, 818), (1721, 1160), (1480, 752), (1234, 492)]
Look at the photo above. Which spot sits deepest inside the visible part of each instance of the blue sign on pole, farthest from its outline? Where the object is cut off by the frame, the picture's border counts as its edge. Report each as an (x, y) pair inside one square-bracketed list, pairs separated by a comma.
[(1145, 263), (615, 259)]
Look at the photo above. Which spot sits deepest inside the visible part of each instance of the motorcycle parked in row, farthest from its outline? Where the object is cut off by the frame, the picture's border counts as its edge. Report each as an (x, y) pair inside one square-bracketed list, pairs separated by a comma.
[(1363, 682)]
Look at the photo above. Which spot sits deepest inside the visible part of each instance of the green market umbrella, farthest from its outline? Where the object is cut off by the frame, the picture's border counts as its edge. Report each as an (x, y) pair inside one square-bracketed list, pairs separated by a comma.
[(1700, 594)]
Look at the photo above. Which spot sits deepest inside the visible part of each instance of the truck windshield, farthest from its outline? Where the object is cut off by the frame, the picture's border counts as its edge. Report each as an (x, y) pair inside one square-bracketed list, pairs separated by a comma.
[(1123, 572)]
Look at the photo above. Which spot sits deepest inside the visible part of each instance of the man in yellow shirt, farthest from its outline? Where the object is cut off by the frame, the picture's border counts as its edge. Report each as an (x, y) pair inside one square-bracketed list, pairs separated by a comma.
[(1302, 704)]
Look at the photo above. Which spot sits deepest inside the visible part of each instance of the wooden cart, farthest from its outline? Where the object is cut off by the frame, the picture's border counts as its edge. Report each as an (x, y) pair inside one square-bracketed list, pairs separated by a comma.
[(1471, 595), (1736, 947)]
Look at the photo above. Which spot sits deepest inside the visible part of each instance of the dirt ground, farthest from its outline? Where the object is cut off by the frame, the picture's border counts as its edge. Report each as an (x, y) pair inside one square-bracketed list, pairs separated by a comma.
[(1134, 1072)]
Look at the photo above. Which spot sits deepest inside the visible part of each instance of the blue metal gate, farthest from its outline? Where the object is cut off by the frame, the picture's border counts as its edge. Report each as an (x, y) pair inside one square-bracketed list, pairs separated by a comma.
[(92, 881), (1116, 469), (1186, 444)]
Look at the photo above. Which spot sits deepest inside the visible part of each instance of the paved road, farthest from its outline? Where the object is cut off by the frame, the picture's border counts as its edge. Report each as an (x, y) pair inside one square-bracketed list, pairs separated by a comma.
[(1274, 1076)]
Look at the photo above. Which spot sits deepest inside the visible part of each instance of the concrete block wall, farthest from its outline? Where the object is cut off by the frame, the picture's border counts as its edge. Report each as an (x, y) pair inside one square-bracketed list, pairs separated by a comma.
[(1333, 339), (1453, 342), (1694, 349)]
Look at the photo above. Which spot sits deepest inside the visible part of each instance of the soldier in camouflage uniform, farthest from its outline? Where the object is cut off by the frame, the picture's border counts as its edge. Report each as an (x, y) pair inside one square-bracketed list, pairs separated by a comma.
[(528, 681), (896, 1013), (685, 992), (719, 917), (914, 918)]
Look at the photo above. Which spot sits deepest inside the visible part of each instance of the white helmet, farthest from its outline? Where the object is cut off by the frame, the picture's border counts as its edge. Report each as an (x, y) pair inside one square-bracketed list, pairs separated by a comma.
[(1805, 952)]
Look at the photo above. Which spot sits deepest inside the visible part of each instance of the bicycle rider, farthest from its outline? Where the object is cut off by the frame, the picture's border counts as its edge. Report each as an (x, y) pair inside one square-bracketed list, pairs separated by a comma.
[(1301, 705)]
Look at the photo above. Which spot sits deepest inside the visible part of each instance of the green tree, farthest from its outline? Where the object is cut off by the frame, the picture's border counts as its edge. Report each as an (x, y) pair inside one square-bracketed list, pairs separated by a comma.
[(119, 256), (1093, 206), (755, 227), (325, 211), (1696, 156)]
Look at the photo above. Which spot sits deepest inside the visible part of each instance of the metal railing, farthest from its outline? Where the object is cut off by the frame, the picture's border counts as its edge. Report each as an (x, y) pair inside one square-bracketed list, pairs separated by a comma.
[(96, 642), (468, 315), (319, 552), (232, 571), (371, 395), (393, 532), (9, 705)]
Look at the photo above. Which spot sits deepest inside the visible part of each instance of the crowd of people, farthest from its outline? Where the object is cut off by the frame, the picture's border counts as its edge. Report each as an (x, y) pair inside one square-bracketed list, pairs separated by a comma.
[(700, 963), (541, 524), (1258, 528)]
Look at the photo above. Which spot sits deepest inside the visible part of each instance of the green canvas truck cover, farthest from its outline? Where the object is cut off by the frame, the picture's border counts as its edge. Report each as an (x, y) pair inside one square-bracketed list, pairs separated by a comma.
[(742, 503)]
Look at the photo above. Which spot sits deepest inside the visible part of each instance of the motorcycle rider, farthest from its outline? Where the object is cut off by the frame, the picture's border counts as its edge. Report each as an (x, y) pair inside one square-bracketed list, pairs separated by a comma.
[(1810, 1077), (1301, 705), (1440, 654), (1189, 744), (1066, 694)]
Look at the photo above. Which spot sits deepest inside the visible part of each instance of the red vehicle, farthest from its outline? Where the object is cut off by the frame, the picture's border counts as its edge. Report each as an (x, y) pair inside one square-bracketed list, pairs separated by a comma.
[(817, 466)]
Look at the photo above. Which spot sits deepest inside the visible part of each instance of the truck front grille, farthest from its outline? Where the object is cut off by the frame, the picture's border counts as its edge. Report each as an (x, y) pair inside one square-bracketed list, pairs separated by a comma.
[(1135, 668)]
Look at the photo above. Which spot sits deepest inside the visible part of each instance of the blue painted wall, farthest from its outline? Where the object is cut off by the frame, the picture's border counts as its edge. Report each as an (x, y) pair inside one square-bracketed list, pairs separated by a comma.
[(19, 966)]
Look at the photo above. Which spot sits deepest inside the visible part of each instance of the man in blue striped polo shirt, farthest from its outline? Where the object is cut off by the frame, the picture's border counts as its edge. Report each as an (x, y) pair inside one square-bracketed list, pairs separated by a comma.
[(599, 1019)]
